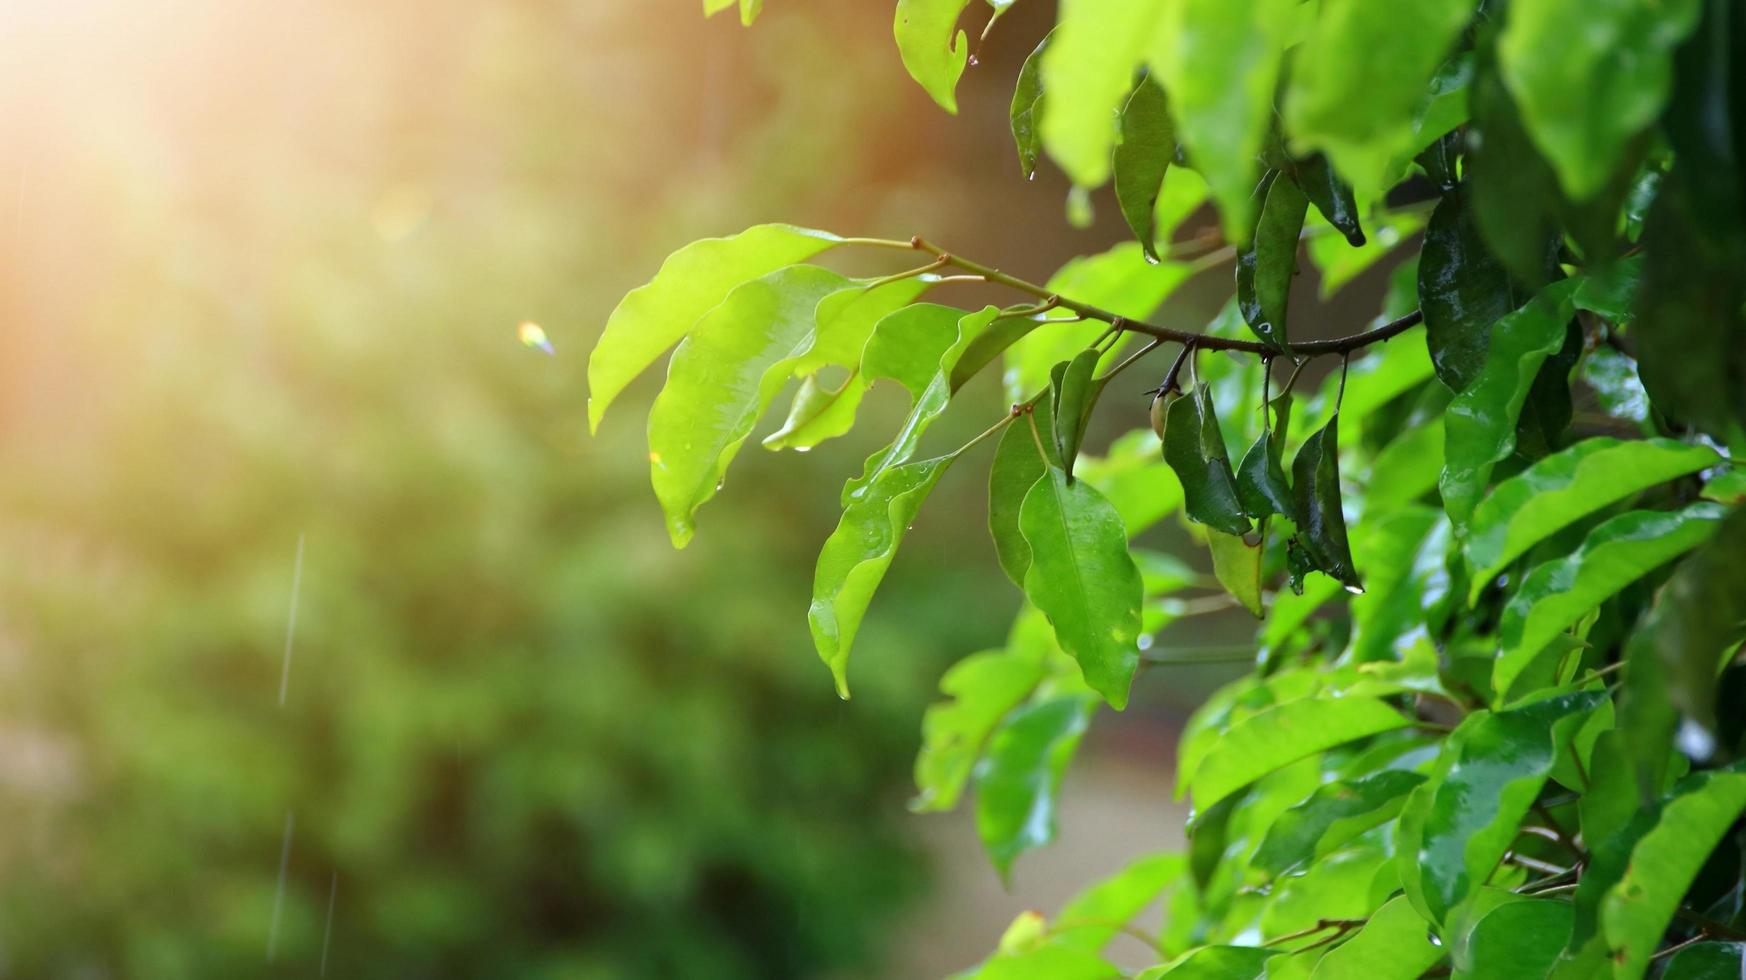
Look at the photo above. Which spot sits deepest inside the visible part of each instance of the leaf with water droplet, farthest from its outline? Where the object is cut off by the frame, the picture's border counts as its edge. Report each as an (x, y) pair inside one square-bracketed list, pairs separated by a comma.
[(1195, 449), (1321, 522), (1266, 267), (1142, 159)]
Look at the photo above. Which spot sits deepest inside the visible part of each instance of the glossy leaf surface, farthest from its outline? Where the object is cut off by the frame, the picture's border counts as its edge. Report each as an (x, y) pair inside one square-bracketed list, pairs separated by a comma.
[(1018, 781), (1393, 945), (1266, 267), (1088, 71), (1321, 521), (1142, 159), (1331, 817), (1027, 110), (1281, 735)]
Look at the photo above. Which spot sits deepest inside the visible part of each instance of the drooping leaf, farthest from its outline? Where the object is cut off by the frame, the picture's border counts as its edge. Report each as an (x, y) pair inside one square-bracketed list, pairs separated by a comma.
[(1088, 70), (1220, 61), (1333, 816), (1321, 522), (1394, 945), (1027, 109), (980, 690), (1017, 467), (934, 51), (1214, 963), (1142, 158), (1555, 595), (1359, 76), (1076, 393), (1517, 939), (658, 314), (1084, 580), (1019, 778), (1237, 565), (1261, 483), (856, 555), (721, 379), (1590, 76), (1283, 734), (1332, 196), (1636, 912), (1195, 449), (1563, 488), (1457, 825), (1480, 425), (1463, 290), (1266, 267)]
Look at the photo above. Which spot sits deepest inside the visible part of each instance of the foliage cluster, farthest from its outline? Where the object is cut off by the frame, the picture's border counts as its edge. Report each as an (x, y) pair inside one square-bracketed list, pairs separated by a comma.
[(1494, 725)]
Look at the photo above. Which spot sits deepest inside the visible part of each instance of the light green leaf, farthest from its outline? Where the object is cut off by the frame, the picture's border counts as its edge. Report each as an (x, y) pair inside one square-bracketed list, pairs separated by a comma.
[(1047, 961), (1142, 158), (1092, 918), (981, 689), (1517, 939), (1359, 76), (1017, 467), (1088, 71), (1565, 487), (1480, 425), (658, 314), (1215, 963), (933, 49), (1019, 778), (1336, 887), (1219, 61), (1637, 911), (1027, 109), (1237, 565), (1281, 735), (858, 552), (1394, 945), (1406, 469), (1395, 547), (1589, 76), (1457, 825), (1266, 267), (1084, 580), (721, 379), (1555, 595), (1332, 816), (749, 9)]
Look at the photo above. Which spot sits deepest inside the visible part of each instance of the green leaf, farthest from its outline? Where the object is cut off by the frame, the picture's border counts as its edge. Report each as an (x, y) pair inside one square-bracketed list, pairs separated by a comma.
[(1333, 816), (1332, 196), (856, 555), (1214, 963), (1708, 961), (1261, 483), (1457, 826), (1360, 74), (658, 314), (1266, 267), (1637, 911), (1517, 939), (1084, 580), (1555, 595), (1590, 76), (1336, 887), (1562, 489), (1402, 552), (1219, 61), (1093, 917), (1394, 945), (1143, 489), (1076, 390), (1237, 565), (1340, 262), (1195, 449), (1148, 142), (1480, 424), (1463, 290), (1049, 961), (1017, 467), (721, 379), (1027, 109), (1512, 191), (1019, 778), (1315, 477), (1283, 734), (934, 51), (981, 689), (1088, 71), (749, 9)]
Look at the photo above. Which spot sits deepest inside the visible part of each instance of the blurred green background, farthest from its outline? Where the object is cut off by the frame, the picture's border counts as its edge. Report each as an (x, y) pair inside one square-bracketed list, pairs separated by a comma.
[(261, 268)]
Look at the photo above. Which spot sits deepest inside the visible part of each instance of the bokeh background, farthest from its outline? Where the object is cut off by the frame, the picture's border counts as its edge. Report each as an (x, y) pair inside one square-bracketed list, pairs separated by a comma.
[(261, 269)]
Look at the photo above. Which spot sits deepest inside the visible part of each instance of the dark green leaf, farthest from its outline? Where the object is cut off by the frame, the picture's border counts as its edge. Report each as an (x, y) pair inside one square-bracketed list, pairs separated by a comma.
[(656, 315), (1195, 449), (1148, 142), (1283, 734), (1333, 816), (1261, 483), (933, 49), (1266, 267), (1027, 109), (1084, 580), (1315, 477), (1331, 196), (1513, 192), (1018, 780), (1463, 290), (1559, 490), (1480, 425)]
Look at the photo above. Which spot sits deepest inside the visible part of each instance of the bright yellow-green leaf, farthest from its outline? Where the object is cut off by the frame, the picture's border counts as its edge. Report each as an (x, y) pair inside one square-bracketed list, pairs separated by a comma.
[(1281, 735), (933, 49), (1087, 71)]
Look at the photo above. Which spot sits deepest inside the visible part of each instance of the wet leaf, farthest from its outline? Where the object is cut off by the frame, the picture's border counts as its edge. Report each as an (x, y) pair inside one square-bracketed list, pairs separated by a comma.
[(1321, 523), (1563, 488), (1027, 109), (1281, 735), (1084, 580), (1517, 939), (1195, 449), (980, 690), (1394, 945), (856, 555), (1266, 267), (1076, 389), (934, 51), (1017, 467), (1214, 963), (1331, 196), (1333, 816), (1142, 158), (1555, 595), (658, 314), (1463, 290), (1088, 71), (1237, 566), (1261, 483), (1480, 424), (721, 379), (1708, 961), (1018, 780)]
